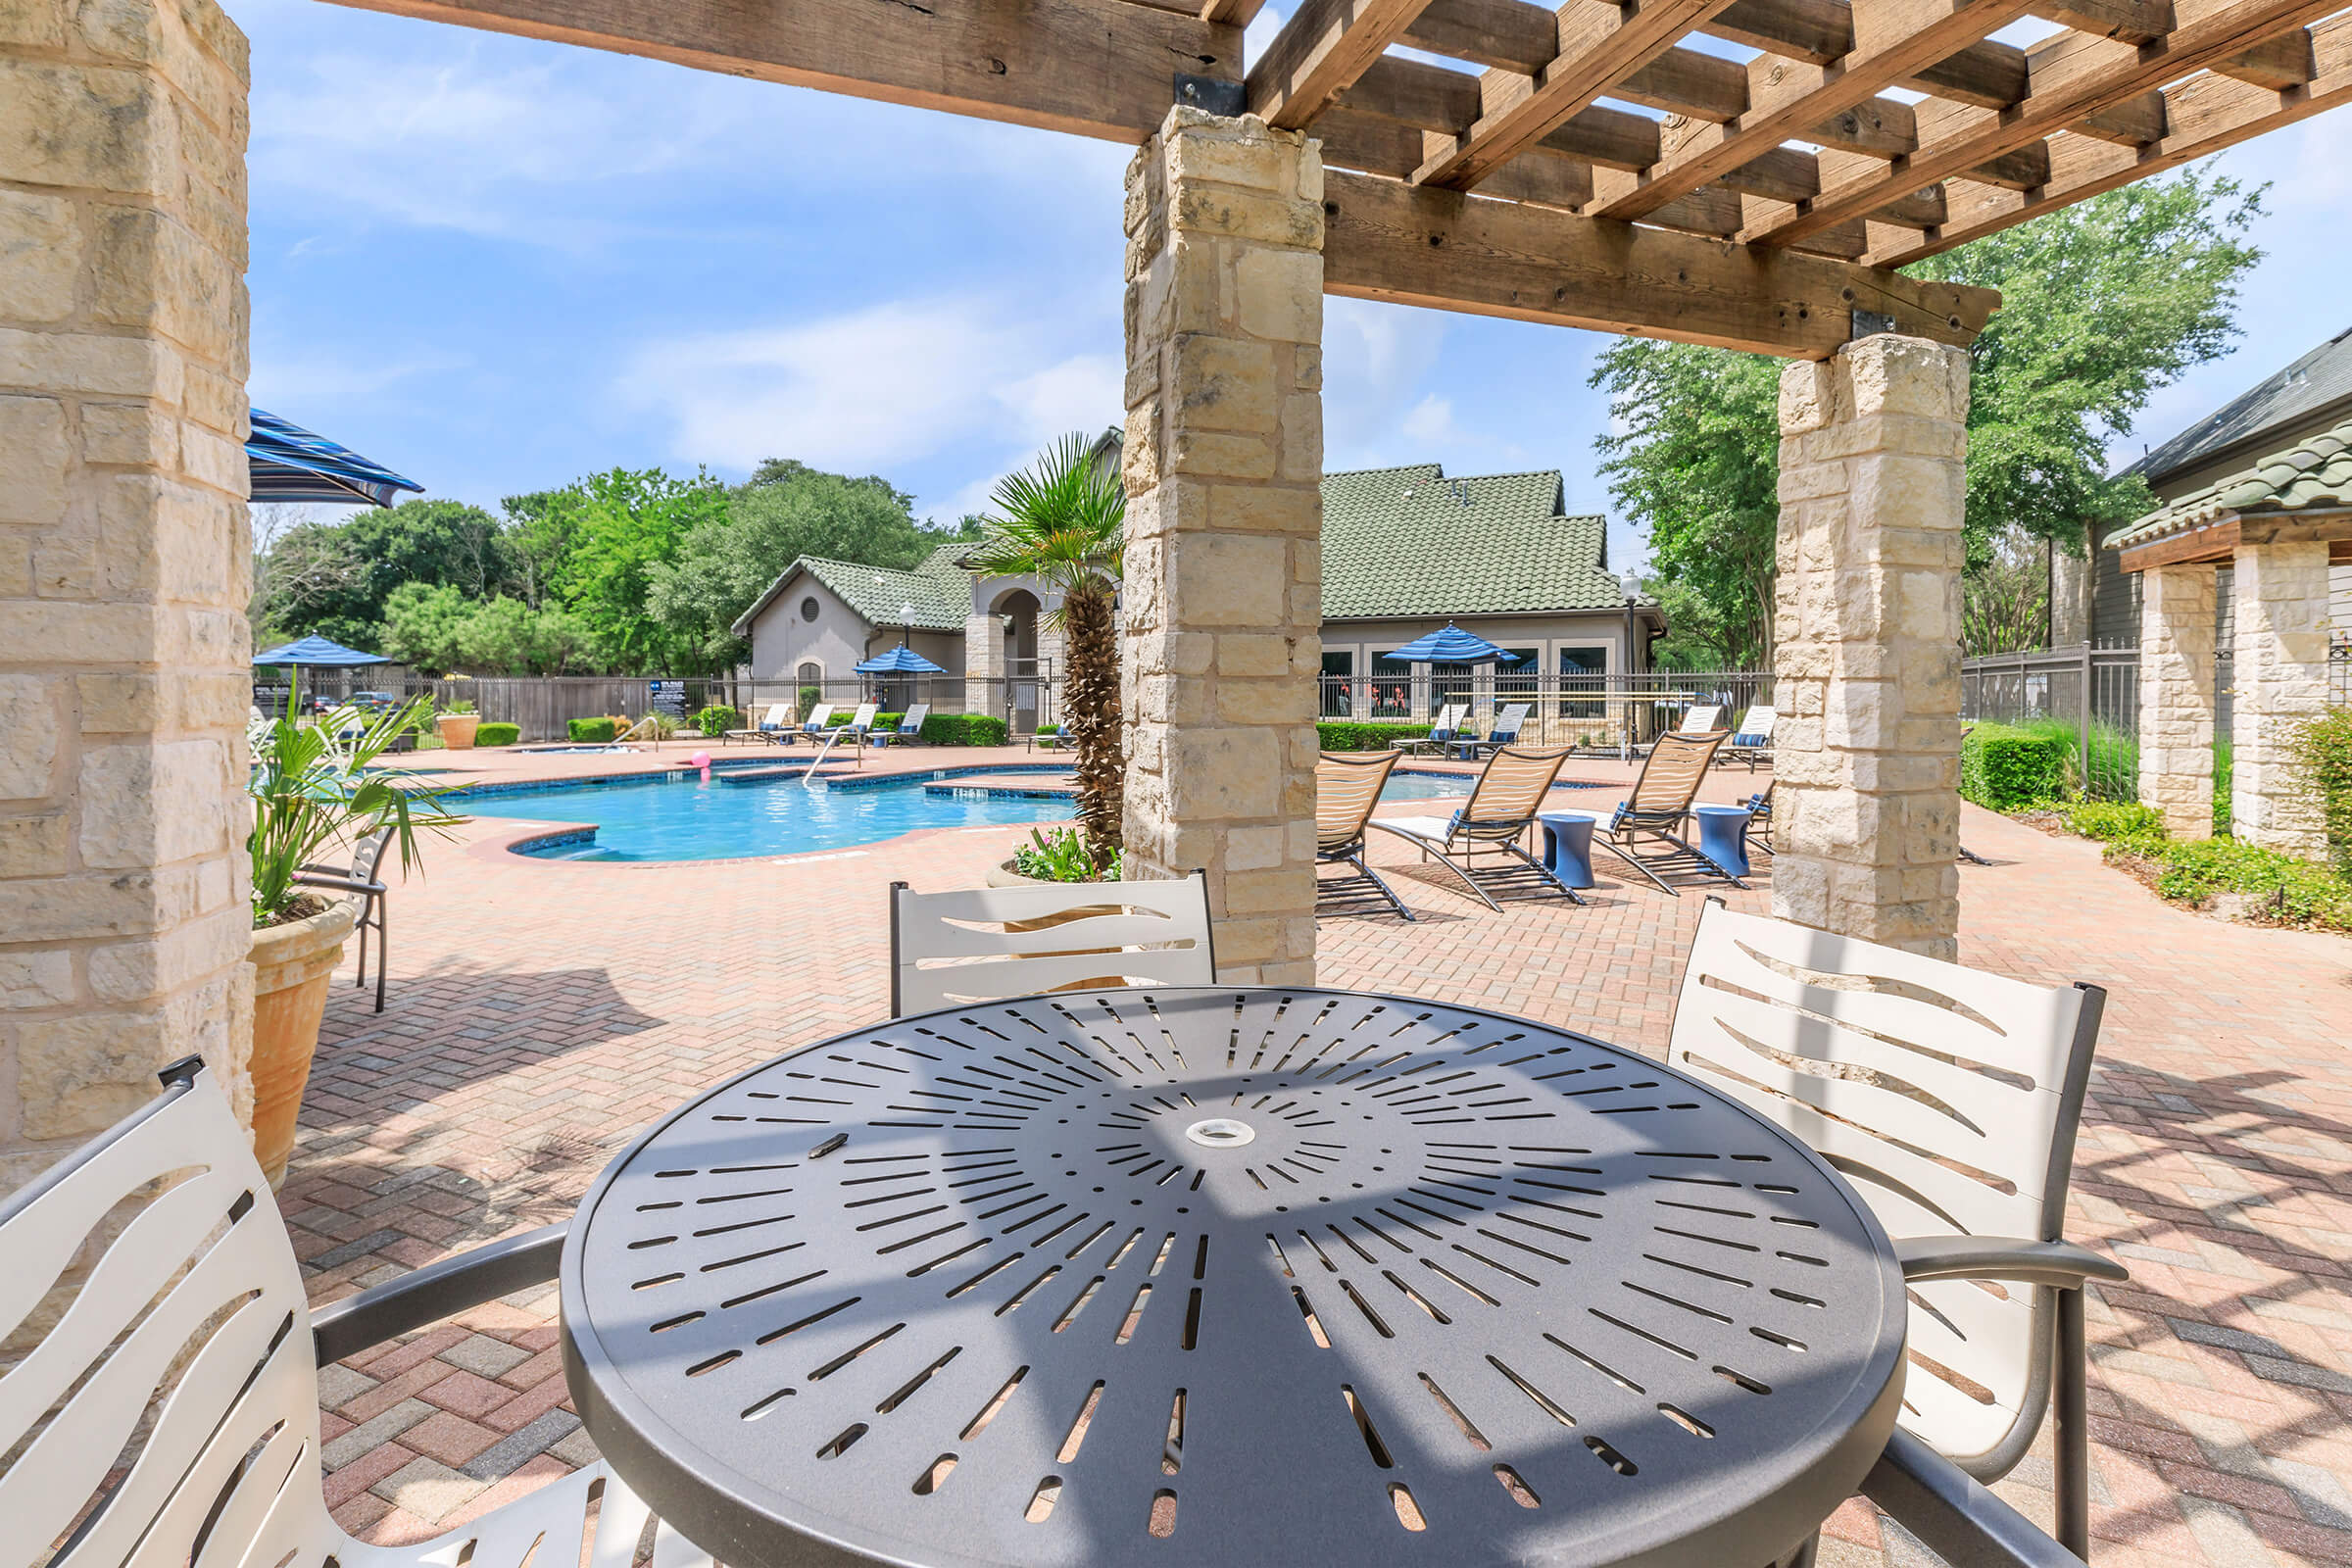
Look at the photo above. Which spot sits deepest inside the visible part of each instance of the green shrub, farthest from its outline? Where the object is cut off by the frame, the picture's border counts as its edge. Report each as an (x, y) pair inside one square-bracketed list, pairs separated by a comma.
[(2323, 749), (2006, 768), (1346, 735), (965, 729), (497, 734), (2284, 889), (810, 695), (1062, 857), (2113, 821), (591, 731), (716, 719), (1048, 729)]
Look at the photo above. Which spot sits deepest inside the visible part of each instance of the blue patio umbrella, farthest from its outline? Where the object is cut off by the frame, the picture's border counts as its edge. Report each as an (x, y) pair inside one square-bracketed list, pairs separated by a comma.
[(1453, 646), (900, 661), (287, 463), (312, 652)]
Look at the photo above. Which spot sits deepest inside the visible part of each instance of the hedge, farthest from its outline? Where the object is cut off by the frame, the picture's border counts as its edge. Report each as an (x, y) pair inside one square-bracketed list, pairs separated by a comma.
[(1341, 735), (965, 729), (2006, 768), (591, 731), (717, 719), (497, 734)]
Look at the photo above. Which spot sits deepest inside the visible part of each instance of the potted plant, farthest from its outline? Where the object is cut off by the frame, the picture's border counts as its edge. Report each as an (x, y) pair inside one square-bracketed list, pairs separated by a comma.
[(311, 791), (457, 721), (1061, 856)]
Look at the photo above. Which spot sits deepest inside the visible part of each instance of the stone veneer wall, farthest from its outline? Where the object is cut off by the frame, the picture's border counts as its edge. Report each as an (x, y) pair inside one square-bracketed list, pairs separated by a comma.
[(2176, 697), (1866, 815), (124, 561), (1223, 589), (2281, 675)]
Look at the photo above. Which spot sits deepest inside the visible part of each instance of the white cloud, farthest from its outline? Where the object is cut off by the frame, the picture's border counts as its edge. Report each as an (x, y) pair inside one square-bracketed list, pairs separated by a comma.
[(875, 388), (1430, 421)]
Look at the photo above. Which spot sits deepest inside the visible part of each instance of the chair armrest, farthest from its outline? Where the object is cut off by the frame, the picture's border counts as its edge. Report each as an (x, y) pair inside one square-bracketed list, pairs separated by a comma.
[(2004, 1257), (437, 1289), (350, 884), (1955, 1515)]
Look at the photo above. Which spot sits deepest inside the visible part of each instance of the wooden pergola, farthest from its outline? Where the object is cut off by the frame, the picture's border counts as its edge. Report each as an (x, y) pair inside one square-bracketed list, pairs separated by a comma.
[(1765, 210)]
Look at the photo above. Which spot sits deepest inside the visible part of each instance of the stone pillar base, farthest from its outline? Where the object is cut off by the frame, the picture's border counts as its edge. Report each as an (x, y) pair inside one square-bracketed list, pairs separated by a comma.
[(2176, 697), (1867, 814), (2281, 673)]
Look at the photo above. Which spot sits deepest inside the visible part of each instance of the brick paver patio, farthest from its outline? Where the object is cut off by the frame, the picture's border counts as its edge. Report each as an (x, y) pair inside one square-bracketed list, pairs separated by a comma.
[(540, 1013)]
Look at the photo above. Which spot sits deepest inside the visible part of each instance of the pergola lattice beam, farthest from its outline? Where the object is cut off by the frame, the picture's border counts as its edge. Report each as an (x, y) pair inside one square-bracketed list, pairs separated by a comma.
[(1092, 68), (1320, 52), (1387, 240)]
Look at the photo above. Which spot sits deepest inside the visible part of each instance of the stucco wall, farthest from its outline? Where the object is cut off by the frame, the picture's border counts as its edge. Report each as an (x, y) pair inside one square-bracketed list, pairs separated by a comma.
[(838, 640)]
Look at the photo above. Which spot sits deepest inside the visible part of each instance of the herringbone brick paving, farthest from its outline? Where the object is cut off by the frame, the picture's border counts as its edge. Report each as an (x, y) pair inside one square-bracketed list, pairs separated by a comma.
[(542, 1012)]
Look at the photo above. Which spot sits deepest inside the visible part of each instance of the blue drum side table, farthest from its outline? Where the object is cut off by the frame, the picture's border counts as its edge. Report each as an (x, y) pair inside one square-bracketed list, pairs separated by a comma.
[(1722, 836), (1568, 846)]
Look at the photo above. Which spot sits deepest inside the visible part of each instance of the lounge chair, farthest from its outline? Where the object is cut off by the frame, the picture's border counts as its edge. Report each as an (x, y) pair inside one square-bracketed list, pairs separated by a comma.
[(1700, 720), (190, 1326), (819, 722), (775, 728), (1441, 730), (1347, 786), (1507, 725), (1053, 937), (1657, 813), (909, 728), (1758, 832), (1950, 1097), (861, 727), (1752, 742), (1502, 805)]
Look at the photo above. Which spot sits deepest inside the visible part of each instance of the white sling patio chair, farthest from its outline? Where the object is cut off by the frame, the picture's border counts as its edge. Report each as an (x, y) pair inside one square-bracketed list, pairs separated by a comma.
[(987, 944), (1950, 1097), (189, 1339), (861, 727), (820, 720), (1752, 742), (775, 728), (1700, 720), (1441, 730), (910, 726)]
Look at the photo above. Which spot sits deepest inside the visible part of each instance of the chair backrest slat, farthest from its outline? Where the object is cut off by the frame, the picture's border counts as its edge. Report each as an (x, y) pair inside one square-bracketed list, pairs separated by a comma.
[(1699, 720), (820, 717), (1756, 729), (370, 856), (1347, 786), (1448, 719), (192, 1319), (863, 718), (985, 944), (1672, 773), (1948, 1097), (1510, 722), (913, 720), (1512, 787), (778, 715)]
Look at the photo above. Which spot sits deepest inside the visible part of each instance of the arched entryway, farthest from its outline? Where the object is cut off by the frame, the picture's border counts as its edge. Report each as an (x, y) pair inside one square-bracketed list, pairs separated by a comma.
[(1016, 613)]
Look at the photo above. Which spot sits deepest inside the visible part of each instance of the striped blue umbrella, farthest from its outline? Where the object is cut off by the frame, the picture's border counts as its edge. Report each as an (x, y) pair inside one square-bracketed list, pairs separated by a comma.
[(290, 463), (900, 661), (315, 650), (1453, 646)]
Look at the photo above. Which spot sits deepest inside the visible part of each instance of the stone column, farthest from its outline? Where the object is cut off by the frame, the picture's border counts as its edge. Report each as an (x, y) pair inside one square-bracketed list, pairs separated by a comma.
[(2175, 697), (2282, 674), (1866, 667), (983, 663), (123, 562), (1223, 464)]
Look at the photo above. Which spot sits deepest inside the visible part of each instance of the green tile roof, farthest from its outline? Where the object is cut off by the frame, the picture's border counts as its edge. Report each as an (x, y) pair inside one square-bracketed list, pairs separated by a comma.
[(940, 591), (2315, 474), (1411, 542)]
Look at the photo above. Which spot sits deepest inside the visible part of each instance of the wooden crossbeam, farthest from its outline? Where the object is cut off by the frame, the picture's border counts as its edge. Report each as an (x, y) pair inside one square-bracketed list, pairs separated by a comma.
[(1387, 240), (2205, 114), (2073, 75), (1601, 45), (1320, 52), (1093, 68), (1786, 98)]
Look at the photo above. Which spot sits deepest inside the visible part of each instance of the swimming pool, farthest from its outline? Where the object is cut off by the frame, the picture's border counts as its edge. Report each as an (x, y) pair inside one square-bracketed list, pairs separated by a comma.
[(683, 819)]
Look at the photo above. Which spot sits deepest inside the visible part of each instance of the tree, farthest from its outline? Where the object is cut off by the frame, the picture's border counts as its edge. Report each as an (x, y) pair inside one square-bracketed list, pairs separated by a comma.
[(2103, 304), (336, 578), (2005, 603), (787, 510), (618, 527), (425, 625), (1063, 521)]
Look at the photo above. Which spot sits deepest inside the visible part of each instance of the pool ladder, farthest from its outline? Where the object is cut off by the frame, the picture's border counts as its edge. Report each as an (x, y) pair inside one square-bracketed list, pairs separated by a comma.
[(833, 738)]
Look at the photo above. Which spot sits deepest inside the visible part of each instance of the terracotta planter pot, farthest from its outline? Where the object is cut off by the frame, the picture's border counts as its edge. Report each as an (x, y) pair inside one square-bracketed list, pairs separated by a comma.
[(457, 730), (292, 966)]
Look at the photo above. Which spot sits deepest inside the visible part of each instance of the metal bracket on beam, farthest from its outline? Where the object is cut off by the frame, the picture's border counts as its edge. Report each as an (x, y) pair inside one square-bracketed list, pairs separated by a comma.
[(1869, 324), (1227, 98)]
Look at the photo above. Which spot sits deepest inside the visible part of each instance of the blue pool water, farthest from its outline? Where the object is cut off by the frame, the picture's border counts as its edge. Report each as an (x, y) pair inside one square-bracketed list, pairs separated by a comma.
[(686, 819)]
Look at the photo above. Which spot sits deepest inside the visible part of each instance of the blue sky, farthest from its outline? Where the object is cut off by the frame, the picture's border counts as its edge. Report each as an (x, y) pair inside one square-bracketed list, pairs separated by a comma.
[(495, 264)]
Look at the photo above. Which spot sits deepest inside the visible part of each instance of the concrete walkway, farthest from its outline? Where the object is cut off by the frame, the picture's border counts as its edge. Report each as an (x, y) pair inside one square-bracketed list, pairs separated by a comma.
[(541, 1012)]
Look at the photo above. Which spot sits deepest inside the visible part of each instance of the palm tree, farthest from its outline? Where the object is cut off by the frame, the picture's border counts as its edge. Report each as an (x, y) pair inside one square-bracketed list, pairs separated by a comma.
[(1062, 520)]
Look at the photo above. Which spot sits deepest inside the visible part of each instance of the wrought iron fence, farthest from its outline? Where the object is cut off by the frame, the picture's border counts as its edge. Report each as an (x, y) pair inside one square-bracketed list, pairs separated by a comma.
[(2092, 692), (1597, 710)]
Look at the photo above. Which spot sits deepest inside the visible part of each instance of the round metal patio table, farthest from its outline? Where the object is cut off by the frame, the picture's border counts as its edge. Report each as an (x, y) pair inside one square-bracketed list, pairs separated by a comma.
[(1225, 1277)]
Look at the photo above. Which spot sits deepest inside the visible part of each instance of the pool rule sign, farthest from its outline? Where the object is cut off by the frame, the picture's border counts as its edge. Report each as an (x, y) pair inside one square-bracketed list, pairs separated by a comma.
[(667, 697), (1229, 1277)]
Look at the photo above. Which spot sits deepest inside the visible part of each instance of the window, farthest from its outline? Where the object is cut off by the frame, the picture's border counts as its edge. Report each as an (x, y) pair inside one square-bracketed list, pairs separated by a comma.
[(808, 607), (1584, 678), (1391, 688), (1518, 678), (1338, 698), (812, 674)]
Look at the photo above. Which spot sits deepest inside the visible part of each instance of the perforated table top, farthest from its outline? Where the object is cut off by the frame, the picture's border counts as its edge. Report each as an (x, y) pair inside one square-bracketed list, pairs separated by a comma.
[(1227, 1277)]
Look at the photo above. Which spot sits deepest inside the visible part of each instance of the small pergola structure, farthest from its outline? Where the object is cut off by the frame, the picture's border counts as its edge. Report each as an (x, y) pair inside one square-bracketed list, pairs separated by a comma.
[(2279, 524), (1764, 212)]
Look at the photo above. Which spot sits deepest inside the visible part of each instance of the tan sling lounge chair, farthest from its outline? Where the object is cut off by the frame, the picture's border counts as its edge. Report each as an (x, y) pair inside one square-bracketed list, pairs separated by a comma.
[(1647, 833), (1347, 786), (1511, 791)]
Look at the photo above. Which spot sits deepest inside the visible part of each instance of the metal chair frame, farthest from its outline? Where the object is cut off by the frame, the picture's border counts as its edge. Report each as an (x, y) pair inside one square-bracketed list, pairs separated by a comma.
[(1483, 824), (362, 877), (1642, 816), (1339, 841)]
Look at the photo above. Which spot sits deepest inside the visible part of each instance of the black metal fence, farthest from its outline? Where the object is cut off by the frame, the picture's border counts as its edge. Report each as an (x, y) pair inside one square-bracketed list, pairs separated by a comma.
[(2093, 692), (1595, 710)]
